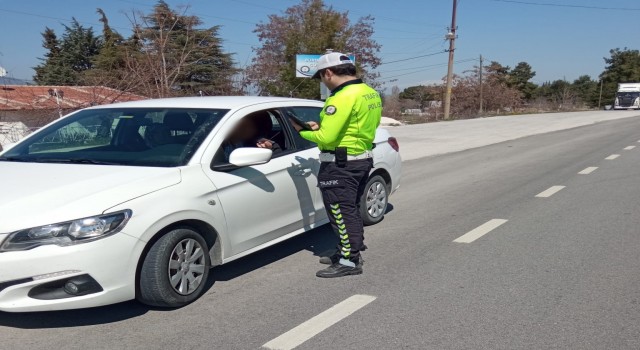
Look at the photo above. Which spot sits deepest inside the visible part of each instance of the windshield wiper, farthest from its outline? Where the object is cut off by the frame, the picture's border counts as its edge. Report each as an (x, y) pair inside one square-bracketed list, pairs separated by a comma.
[(74, 161)]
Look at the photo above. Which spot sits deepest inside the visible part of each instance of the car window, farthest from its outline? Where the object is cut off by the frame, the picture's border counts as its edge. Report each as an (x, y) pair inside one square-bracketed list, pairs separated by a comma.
[(251, 129), (163, 137), (306, 114)]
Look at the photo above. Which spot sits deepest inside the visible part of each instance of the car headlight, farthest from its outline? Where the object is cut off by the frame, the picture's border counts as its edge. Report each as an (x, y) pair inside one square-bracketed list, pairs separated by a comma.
[(67, 233)]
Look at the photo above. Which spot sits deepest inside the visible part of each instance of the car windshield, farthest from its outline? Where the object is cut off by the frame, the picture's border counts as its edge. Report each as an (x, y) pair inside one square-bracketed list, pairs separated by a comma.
[(160, 137)]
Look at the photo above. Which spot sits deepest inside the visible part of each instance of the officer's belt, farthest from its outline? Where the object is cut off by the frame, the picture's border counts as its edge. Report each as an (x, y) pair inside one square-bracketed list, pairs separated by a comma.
[(331, 157)]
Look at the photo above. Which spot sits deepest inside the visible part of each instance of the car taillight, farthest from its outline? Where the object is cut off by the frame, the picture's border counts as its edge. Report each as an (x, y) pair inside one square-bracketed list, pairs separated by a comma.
[(393, 142)]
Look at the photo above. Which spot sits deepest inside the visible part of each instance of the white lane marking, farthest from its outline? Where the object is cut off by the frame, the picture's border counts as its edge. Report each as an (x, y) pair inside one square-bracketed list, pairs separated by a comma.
[(319, 323), (588, 170), (550, 191), (612, 157), (629, 148), (480, 231)]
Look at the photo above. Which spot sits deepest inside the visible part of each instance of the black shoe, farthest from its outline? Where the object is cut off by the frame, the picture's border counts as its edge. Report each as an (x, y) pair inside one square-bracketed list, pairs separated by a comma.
[(339, 270)]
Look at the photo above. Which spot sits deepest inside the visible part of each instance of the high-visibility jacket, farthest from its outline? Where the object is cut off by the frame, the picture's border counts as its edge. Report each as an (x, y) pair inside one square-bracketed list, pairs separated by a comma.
[(349, 118)]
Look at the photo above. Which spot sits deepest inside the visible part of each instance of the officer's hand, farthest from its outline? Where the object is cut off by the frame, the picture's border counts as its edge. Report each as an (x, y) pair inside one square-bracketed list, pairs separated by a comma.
[(314, 126)]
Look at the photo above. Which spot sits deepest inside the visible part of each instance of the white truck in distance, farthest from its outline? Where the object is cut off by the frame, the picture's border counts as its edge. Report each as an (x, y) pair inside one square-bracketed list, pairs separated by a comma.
[(628, 96)]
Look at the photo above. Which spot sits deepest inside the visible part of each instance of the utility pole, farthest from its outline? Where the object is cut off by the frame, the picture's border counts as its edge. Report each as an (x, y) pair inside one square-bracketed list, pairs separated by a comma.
[(451, 36), (481, 95), (600, 99)]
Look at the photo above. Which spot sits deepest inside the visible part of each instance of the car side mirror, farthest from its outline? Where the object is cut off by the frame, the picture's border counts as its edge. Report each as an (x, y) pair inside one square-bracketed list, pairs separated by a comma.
[(245, 156)]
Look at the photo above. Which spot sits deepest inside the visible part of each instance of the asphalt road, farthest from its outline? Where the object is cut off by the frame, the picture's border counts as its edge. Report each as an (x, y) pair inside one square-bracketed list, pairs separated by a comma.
[(560, 272)]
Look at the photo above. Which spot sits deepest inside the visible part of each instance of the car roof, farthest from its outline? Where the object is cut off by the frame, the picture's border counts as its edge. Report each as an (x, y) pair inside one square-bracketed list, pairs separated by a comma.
[(220, 102)]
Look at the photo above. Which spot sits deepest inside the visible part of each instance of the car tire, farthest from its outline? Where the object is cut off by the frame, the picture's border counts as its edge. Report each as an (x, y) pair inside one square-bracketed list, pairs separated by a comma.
[(373, 204), (175, 270)]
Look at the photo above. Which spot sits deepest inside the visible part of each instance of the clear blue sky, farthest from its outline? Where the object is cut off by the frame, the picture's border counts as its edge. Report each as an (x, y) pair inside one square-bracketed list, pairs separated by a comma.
[(559, 42)]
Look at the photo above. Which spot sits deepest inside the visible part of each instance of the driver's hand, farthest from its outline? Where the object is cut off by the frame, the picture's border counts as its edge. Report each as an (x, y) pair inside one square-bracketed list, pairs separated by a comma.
[(265, 143)]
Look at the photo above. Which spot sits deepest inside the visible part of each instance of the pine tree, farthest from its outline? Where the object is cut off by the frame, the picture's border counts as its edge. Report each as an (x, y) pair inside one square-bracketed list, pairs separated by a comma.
[(52, 71), (179, 58), (66, 59)]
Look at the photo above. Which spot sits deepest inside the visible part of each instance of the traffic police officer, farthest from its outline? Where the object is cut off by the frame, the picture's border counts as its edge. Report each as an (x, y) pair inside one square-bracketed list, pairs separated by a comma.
[(345, 134)]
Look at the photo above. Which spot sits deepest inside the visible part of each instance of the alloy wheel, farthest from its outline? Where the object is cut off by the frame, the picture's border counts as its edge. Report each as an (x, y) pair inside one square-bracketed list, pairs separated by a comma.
[(186, 266), (376, 199)]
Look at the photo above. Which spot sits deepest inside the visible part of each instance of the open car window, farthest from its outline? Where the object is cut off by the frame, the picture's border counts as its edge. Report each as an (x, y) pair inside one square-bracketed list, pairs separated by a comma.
[(306, 114), (260, 125), (163, 137)]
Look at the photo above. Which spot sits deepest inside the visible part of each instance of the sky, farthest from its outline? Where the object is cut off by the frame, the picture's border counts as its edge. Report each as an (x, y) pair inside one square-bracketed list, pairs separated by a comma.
[(561, 41)]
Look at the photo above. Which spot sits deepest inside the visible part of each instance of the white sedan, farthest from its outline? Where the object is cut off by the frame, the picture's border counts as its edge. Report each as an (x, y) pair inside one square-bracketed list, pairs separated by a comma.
[(140, 199)]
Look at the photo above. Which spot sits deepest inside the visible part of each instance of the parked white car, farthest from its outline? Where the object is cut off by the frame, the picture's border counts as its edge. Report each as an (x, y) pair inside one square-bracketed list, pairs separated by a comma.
[(140, 199)]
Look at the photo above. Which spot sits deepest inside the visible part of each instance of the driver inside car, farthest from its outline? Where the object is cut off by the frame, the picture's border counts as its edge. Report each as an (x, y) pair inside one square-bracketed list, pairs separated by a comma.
[(251, 131)]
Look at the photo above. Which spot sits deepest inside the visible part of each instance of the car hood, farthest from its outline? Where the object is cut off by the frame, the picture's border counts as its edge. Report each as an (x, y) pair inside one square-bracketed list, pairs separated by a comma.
[(35, 194)]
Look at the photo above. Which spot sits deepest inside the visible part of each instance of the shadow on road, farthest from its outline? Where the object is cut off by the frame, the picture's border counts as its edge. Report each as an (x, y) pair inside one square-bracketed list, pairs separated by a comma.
[(319, 241)]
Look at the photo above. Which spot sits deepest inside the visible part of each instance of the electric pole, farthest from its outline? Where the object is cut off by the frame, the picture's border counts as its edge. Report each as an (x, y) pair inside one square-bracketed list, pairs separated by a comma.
[(600, 98), (481, 68), (451, 36)]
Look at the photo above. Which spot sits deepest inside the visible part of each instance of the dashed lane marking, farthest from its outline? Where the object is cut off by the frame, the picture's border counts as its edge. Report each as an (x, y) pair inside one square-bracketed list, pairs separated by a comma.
[(588, 170), (550, 191), (629, 148), (612, 157), (480, 231), (319, 323)]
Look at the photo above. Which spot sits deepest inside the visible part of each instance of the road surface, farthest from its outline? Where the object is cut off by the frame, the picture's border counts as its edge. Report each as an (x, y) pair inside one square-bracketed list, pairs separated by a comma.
[(532, 243)]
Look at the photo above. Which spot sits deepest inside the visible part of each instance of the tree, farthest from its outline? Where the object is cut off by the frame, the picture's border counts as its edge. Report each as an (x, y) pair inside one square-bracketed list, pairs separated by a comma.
[(559, 93), (52, 71), (520, 76), (498, 72), (391, 103), (171, 55), (109, 64), (586, 90), (421, 94), (66, 59), (309, 27), (498, 93), (622, 67)]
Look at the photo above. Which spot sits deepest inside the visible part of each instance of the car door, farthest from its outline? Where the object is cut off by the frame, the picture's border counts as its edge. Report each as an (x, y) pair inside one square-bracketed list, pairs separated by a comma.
[(310, 113), (265, 202)]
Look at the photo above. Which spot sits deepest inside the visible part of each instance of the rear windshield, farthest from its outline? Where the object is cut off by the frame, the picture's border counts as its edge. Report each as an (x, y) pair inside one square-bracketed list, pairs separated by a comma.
[(161, 137)]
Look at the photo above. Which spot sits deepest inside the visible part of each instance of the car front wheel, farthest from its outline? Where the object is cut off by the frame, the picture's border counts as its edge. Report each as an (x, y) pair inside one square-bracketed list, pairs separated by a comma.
[(175, 270), (373, 203)]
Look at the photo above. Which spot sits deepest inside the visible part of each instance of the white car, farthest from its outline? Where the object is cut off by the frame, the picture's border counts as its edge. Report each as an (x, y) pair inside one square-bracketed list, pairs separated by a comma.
[(140, 199)]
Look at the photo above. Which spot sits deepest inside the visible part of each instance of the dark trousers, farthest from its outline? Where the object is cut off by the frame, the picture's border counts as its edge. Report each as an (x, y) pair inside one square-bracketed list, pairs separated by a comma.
[(342, 189)]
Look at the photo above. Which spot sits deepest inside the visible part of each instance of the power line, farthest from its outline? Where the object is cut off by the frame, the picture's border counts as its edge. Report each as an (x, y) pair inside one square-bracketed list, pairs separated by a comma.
[(413, 58), (427, 66), (426, 69), (568, 5)]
